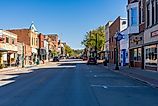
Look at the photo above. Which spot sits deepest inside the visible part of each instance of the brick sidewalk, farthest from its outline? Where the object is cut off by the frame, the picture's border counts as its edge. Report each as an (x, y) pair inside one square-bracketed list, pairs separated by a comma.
[(147, 76)]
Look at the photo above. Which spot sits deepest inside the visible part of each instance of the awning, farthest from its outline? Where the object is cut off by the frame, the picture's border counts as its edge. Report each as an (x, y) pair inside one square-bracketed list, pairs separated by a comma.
[(3, 50)]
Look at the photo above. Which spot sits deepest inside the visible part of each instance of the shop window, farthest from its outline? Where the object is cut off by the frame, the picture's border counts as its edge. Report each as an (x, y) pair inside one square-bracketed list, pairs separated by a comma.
[(151, 55), (139, 53), (135, 54)]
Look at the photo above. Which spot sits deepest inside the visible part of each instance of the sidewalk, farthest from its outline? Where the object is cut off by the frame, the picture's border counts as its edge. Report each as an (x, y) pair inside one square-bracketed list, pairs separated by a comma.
[(147, 76)]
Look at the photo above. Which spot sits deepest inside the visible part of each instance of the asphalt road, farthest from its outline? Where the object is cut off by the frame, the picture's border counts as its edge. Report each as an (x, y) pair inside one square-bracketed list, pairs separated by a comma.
[(76, 84)]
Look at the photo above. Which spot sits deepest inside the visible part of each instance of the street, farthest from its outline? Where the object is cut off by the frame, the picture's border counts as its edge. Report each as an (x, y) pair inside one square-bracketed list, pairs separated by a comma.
[(73, 83)]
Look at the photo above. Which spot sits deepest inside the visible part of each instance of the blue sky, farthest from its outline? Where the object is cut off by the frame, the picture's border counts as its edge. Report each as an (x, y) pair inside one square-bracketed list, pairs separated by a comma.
[(69, 18)]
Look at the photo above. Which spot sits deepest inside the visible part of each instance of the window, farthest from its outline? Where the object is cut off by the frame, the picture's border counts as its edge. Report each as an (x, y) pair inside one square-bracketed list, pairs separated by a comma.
[(133, 16), (128, 16), (7, 39), (124, 23), (156, 11), (139, 53), (153, 12), (32, 41), (151, 55), (148, 15), (13, 41), (135, 54), (140, 12), (37, 41)]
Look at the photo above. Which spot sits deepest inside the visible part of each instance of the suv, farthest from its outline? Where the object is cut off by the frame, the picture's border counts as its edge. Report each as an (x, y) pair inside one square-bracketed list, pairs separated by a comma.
[(92, 60), (56, 59)]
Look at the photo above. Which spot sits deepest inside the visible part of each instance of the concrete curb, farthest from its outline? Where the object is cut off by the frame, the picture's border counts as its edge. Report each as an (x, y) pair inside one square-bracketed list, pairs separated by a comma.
[(131, 75)]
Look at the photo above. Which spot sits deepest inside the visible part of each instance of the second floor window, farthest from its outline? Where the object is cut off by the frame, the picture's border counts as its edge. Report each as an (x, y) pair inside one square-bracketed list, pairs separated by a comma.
[(153, 12), (148, 15), (13, 41), (7, 39), (156, 11), (32, 41), (133, 16)]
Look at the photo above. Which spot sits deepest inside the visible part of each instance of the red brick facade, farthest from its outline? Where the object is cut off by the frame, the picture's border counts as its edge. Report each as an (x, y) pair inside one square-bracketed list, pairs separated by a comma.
[(23, 35), (115, 26), (41, 40)]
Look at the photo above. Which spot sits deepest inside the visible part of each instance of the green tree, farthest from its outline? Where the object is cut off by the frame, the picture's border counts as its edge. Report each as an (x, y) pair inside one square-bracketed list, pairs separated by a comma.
[(90, 38), (68, 50)]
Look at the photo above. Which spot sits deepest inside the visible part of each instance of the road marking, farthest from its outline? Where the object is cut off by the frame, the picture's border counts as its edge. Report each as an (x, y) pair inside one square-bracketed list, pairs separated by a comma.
[(105, 87), (102, 86), (2, 83), (127, 86), (104, 76)]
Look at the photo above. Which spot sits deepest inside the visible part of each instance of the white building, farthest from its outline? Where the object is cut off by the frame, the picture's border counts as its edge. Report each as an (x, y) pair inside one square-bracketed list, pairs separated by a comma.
[(124, 48), (107, 39)]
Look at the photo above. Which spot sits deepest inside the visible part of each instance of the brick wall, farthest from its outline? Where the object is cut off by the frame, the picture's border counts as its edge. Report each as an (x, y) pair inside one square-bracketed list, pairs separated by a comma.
[(115, 26), (22, 35), (41, 40)]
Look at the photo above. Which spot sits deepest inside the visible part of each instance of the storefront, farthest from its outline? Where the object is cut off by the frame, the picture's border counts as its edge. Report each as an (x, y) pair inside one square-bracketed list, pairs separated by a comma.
[(136, 50), (151, 48), (151, 54)]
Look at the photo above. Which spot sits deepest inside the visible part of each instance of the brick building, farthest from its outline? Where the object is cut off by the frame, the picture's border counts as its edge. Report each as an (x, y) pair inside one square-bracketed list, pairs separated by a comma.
[(136, 26), (41, 50), (117, 26), (151, 35), (29, 37), (52, 43)]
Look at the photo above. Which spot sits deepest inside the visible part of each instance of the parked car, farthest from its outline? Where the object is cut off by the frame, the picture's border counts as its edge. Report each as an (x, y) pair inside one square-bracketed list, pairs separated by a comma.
[(56, 59), (92, 60), (85, 58)]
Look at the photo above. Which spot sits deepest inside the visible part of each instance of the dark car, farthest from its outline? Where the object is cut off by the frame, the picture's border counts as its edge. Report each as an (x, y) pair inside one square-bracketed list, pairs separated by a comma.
[(92, 60), (55, 59), (85, 58)]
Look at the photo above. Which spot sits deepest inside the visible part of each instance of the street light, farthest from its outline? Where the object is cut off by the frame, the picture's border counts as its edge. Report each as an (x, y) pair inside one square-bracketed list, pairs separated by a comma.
[(118, 36)]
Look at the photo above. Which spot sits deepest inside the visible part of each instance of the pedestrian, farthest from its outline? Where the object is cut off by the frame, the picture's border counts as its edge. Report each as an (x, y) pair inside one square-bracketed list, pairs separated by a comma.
[(17, 62)]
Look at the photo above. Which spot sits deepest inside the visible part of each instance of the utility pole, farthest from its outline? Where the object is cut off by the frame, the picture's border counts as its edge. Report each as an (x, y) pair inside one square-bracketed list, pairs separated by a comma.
[(96, 46)]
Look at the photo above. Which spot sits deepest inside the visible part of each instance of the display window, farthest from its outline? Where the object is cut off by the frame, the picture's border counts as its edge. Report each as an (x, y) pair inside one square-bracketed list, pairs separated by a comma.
[(151, 55)]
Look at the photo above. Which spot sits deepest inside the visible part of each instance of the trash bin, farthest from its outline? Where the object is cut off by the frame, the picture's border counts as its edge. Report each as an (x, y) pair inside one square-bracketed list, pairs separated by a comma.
[(105, 63), (37, 62)]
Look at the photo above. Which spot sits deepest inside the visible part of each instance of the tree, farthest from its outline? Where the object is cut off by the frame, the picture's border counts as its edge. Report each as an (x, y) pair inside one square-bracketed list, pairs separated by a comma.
[(68, 50), (90, 38)]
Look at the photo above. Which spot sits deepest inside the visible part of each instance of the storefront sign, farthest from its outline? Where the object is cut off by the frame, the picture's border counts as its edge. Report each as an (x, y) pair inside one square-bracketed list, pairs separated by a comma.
[(155, 33), (10, 47)]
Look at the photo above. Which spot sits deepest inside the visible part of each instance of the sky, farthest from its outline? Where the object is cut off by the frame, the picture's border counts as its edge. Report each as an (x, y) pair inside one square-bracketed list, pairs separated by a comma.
[(70, 19)]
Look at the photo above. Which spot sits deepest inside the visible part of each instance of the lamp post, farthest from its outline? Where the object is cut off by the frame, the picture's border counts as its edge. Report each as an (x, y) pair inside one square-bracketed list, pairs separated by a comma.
[(118, 36), (117, 64), (23, 55)]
